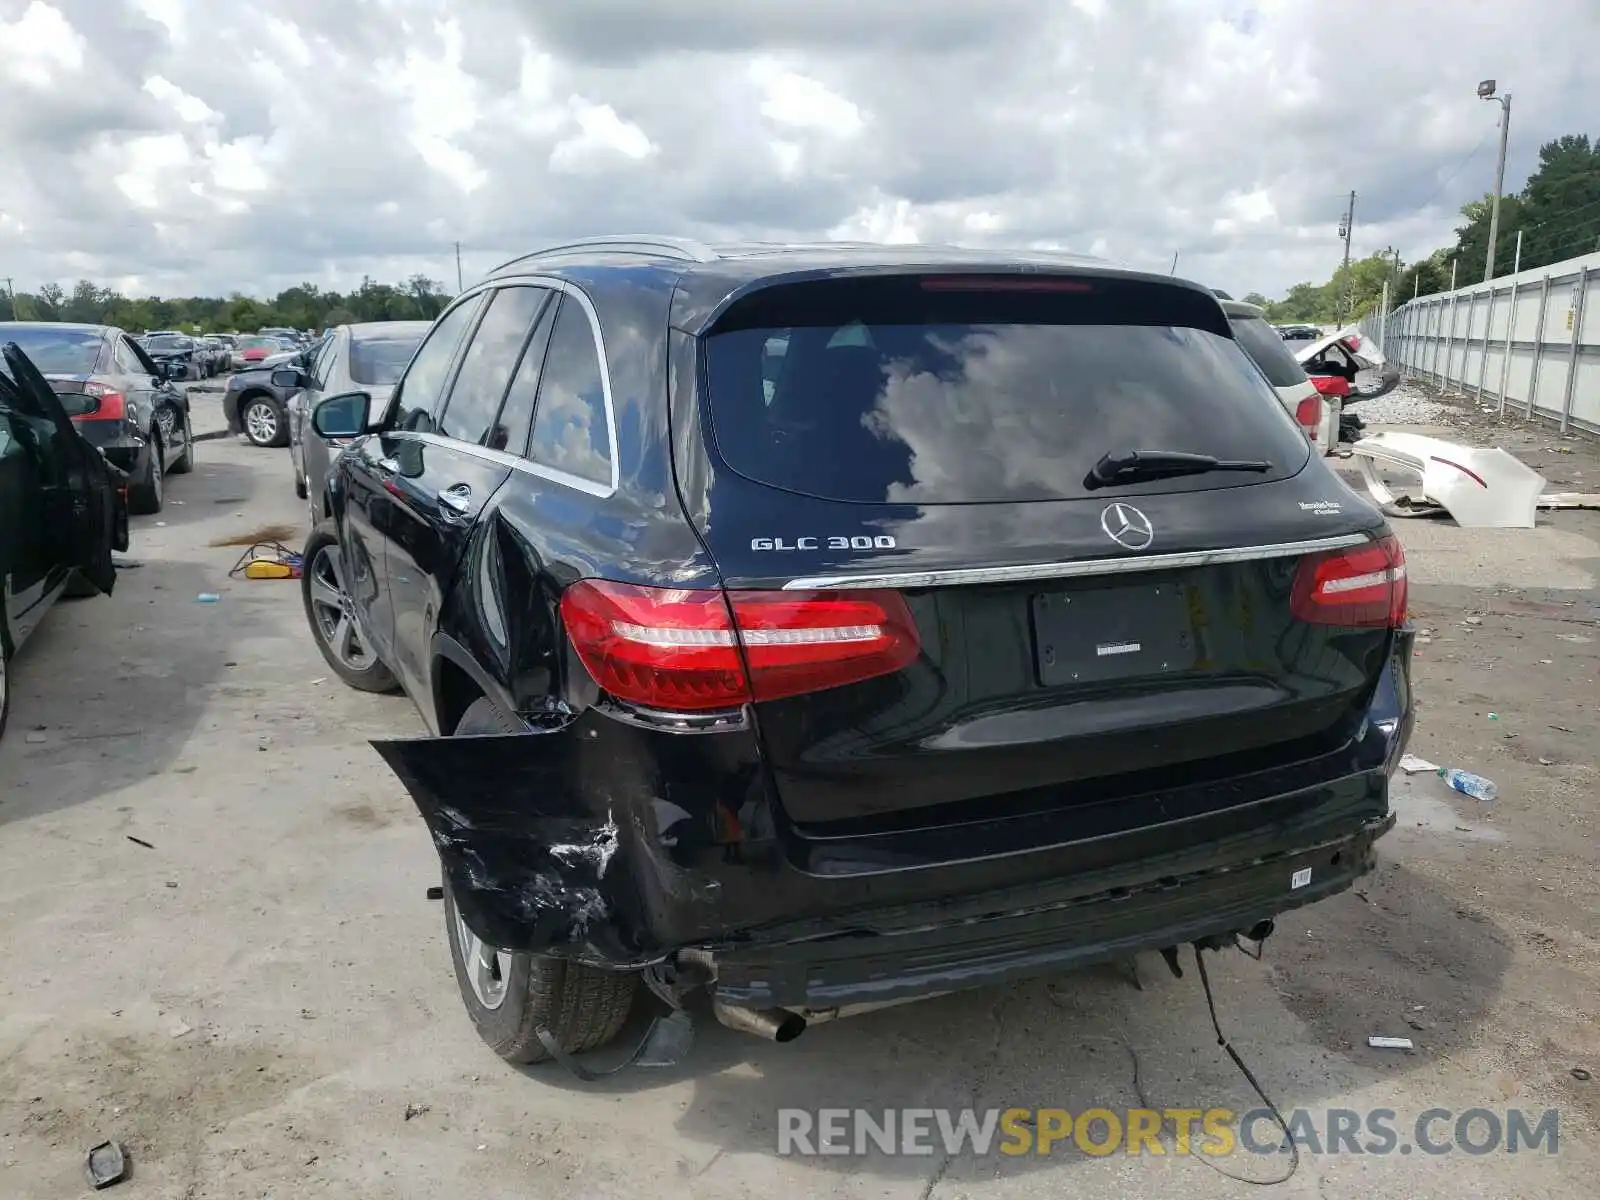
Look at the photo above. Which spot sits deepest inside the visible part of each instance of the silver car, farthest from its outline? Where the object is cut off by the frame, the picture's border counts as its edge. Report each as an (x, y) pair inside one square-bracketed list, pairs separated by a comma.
[(353, 358)]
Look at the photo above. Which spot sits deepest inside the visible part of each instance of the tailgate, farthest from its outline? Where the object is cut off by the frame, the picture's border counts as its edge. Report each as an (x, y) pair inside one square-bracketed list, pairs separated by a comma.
[(924, 446), (1065, 691)]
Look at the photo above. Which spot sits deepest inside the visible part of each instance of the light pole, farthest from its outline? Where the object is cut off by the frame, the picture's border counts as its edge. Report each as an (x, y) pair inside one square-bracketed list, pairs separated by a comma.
[(1347, 224), (1486, 91)]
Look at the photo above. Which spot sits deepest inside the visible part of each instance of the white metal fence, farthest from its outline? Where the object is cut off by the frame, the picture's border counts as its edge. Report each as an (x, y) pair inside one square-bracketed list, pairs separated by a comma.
[(1529, 342)]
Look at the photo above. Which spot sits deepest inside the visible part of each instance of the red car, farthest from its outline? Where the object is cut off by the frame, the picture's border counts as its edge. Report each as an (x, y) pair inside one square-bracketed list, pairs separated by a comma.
[(251, 350)]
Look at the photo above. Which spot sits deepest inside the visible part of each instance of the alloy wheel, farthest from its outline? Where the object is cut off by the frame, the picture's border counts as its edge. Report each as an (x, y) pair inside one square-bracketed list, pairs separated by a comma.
[(487, 969), (334, 611), (261, 422)]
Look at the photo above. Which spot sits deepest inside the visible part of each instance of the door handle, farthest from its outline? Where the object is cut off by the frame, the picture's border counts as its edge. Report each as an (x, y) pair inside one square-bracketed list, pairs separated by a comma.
[(456, 502)]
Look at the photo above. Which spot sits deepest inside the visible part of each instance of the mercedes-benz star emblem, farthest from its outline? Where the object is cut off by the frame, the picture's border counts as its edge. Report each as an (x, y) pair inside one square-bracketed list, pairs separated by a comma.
[(1127, 526)]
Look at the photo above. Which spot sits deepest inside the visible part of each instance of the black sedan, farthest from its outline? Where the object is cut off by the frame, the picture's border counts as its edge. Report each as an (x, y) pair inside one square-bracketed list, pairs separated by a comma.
[(118, 398), (62, 511)]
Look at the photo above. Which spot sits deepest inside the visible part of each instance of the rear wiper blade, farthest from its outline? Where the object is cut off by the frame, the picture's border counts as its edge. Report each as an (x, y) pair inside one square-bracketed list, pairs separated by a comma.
[(1135, 466)]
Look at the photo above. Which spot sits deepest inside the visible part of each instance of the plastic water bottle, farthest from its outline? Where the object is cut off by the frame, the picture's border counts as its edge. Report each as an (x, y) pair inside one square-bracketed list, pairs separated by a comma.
[(1469, 784)]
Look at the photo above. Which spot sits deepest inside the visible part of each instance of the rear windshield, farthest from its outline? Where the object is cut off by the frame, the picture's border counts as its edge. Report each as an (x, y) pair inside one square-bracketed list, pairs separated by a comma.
[(379, 360), (873, 391), (56, 351), (1265, 344)]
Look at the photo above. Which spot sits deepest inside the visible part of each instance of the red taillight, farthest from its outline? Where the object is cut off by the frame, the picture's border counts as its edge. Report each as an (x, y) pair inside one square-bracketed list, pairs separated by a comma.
[(109, 405), (1364, 586), (678, 649), (1331, 385), (1309, 415)]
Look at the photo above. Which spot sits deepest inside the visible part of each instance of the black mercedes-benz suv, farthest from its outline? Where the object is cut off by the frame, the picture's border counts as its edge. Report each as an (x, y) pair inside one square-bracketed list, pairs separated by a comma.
[(835, 625)]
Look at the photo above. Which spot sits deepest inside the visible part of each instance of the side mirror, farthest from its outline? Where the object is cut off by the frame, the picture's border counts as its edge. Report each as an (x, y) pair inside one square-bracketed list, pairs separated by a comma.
[(287, 377), (342, 416)]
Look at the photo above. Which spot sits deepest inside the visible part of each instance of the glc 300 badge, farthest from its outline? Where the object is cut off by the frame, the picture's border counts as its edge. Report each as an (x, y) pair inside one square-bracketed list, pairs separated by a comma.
[(860, 542)]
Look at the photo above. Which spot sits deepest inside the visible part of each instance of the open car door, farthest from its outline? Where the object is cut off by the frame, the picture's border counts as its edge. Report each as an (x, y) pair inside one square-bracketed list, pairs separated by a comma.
[(86, 502)]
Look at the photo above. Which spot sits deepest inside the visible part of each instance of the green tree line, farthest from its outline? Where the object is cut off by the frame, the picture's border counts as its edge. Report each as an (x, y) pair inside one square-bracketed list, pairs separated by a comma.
[(1557, 212), (304, 306)]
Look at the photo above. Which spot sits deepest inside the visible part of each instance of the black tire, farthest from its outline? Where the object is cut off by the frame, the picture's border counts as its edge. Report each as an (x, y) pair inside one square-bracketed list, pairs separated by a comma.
[(185, 462), (582, 1007), (272, 429), (149, 493), (370, 675)]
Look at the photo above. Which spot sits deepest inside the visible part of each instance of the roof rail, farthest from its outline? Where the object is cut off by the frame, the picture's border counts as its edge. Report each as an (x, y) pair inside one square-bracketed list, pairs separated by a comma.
[(683, 249)]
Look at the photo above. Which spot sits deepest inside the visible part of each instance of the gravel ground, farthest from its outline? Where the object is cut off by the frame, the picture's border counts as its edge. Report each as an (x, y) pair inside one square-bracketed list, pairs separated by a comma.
[(1408, 404)]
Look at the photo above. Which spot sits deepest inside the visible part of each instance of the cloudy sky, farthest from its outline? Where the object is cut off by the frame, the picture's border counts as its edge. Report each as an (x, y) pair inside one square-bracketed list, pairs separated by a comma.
[(175, 146)]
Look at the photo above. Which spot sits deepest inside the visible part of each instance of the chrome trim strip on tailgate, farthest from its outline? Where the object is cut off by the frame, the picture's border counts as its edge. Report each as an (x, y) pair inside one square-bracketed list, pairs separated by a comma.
[(1076, 569)]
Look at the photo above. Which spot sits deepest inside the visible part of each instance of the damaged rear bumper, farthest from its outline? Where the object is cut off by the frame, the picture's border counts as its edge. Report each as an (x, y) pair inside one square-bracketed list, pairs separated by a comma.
[(622, 845), (907, 963)]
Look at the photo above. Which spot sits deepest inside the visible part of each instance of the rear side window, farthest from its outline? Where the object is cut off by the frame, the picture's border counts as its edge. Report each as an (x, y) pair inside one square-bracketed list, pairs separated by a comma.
[(570, 430), (1265, 346), (487, 364), (932, 391), (419, 391), (516, 412), (126, 360)]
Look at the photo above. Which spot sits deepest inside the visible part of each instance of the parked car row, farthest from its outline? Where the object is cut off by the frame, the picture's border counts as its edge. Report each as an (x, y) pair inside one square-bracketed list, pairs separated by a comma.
[(205, 356), (817, 626)]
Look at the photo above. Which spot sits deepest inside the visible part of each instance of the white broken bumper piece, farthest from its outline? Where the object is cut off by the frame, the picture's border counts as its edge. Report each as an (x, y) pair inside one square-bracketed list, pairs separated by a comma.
[(1481, 489)]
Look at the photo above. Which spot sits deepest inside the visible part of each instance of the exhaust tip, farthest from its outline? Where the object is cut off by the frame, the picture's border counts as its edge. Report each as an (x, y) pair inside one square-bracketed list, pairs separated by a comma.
[(774, 1024), (790, 1026)]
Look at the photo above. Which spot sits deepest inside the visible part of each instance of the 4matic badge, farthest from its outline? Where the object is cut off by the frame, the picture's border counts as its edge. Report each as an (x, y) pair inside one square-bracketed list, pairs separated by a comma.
[(860, 542)]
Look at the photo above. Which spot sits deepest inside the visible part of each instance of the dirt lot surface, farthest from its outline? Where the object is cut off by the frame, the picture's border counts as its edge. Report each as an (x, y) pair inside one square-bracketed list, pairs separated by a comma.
[(251, 1004)]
